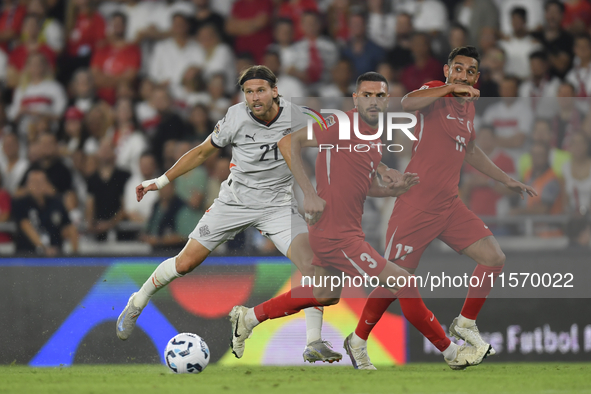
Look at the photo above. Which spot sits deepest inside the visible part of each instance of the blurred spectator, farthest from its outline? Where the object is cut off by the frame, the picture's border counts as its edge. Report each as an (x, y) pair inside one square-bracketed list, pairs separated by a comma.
[(337, 17), (511, 118), (118, 61), (425, 67), (341, 86), (191, 91), (85, 29), (219, 172), (250, 25), (548, 201), (140, 211), (200, 124), (104, 204), (543, 134), (283, 40), (12, 166), (362, 52), (580, 75), (74, 135), (127, 141), (492, 73), (456, 37), (381, 25), (557, 42), (533, 9), (37, 95), (58, 174), (170, 126), (518, 46), (173, 56), (288, 86), (97, 121), (146, 20), (11, 20), (401, 55), (577, 16), (52, 32), (205, 15), (540, 89), (481, 194), (475, 15), (82, 91), (219, 102), (30, 45), (429, 16), (145, 111), (488, 39), (42, 221), (171, 221), (3, 67), (577, 184), (315, 55), (293, 10), (219, 58), (5, 207), (568, 119), (192, 186)]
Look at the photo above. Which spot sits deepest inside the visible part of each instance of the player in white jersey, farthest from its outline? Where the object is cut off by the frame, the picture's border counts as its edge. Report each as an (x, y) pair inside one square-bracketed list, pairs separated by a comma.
[(258, 193)]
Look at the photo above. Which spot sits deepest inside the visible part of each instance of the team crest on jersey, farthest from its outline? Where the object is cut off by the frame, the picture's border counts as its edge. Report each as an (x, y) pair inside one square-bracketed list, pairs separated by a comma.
[(330, 121), (287, 131), (216, 129)]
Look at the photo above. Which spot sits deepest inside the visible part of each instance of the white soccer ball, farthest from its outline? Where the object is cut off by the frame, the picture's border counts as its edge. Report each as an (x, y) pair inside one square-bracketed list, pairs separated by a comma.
[(187, 353)]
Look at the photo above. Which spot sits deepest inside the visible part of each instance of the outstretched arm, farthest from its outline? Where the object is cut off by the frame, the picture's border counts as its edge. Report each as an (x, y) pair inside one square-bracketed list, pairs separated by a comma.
[(291, 148), (193, 158), (477, 159)]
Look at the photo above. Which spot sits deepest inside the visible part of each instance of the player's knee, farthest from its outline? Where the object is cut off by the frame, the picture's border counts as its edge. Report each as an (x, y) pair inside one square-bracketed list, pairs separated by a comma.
[(185, 264), (499, 258), (328, 301)]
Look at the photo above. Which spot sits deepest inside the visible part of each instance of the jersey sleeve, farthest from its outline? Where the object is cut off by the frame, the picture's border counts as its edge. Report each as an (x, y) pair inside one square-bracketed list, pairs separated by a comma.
[(223, 132), (299, 119), (432, 84), (327, 132)]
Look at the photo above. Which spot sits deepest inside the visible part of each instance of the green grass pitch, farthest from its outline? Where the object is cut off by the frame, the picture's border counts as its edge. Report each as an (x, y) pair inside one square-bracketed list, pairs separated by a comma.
[(413, 378)]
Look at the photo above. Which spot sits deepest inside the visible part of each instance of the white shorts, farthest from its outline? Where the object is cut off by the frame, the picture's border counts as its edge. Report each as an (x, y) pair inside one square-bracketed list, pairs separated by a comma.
[(222, 222)]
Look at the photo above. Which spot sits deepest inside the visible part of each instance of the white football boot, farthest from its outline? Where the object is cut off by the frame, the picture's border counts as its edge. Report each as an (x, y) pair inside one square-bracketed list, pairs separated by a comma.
[(470, 335), (240, 332), (468, 356), (127, 319), (359, 356)]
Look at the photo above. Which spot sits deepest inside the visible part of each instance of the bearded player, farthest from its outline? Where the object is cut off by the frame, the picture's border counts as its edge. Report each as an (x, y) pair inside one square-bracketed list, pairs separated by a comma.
[(345, 177), (258, 193), (445, 139)]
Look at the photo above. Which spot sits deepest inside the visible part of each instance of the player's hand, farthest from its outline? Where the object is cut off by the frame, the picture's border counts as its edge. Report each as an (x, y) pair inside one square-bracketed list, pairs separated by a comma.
[(467, 91), (519, 188), (402, 185), (140, 191), (391, 176), (313, 208)]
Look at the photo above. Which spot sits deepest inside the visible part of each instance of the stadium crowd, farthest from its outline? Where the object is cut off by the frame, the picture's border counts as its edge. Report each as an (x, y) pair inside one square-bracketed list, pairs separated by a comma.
[(98, 96)]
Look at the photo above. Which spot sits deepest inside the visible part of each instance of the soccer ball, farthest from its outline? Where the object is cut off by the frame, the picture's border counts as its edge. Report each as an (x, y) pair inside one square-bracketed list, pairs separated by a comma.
[(186, 353)]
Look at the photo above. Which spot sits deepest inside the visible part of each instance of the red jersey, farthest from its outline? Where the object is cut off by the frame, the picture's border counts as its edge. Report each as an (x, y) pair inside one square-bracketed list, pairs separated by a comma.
[(294, 12), (88, 31), (443, 131), (257, 42), (115, 61), (343, 179), (19, 55), (12, 19)]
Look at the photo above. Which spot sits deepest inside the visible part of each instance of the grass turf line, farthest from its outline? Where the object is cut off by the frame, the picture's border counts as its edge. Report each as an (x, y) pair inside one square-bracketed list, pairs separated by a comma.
[(430, 378)]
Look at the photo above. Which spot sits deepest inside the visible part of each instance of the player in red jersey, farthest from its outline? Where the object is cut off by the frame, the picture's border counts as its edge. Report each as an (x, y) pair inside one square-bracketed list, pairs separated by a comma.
[(344, 178), (445, 139)]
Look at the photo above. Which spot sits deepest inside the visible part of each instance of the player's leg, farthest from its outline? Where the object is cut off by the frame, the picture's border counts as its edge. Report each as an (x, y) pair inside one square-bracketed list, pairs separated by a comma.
[(220, 223), (244, 319), (289, 232), (467, 234), (188, 259)]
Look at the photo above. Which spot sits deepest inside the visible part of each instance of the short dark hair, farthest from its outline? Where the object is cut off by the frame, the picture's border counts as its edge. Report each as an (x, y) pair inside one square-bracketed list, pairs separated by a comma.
[(119, 14), (459, 26), (556, 3), (519, 11), (583, 36), (468, 51), (541, 55), (370, 76)]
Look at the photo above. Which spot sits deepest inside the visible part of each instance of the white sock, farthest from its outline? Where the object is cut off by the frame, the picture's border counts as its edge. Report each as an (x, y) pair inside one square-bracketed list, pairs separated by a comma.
[(250, 319), (451, 352), (163, 275), (465, 322), (313, 323), (357, 342)]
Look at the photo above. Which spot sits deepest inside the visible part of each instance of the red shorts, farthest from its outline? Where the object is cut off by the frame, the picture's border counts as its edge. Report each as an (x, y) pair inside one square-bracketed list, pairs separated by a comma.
[(352, 256), (411, 230)]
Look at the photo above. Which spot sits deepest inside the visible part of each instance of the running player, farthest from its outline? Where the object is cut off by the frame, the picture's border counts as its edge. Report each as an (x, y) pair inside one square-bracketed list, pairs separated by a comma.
[(445, 132), (258, 194), (344, 179)]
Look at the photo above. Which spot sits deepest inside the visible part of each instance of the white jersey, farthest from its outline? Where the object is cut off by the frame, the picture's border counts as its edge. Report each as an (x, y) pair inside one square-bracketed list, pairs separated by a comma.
[(259, 176)]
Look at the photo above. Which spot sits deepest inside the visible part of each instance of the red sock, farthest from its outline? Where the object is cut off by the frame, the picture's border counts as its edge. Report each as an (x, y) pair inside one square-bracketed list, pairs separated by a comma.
[(477, 295), (421, 318), (378, 301), (285, 304)]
